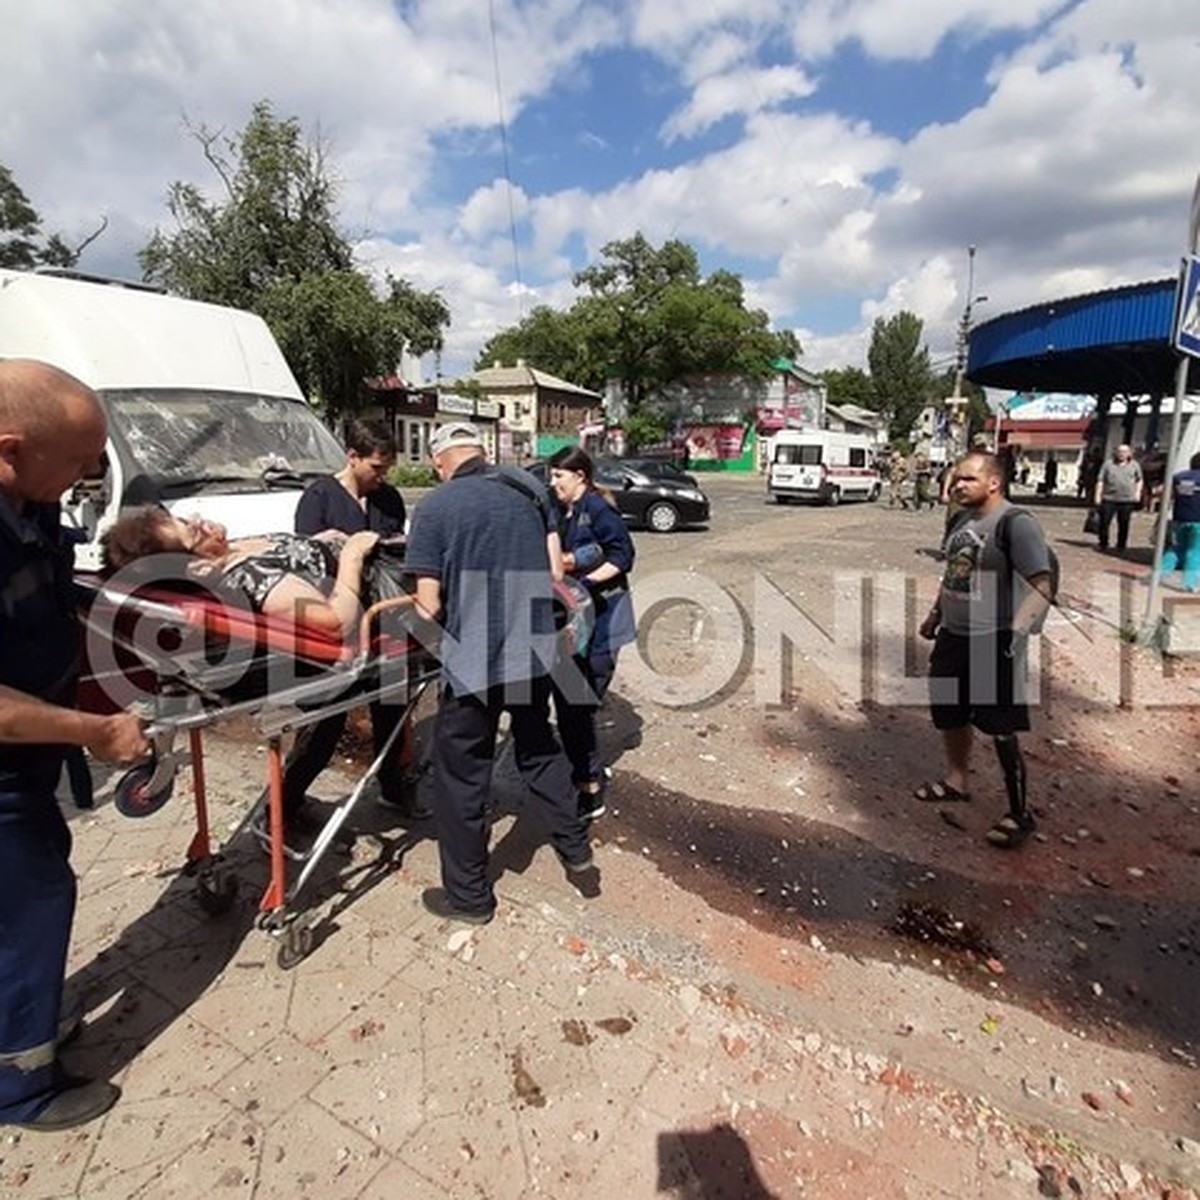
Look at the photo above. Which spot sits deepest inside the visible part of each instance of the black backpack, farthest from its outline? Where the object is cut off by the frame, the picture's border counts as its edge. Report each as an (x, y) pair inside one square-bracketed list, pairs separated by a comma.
[(1003, 540)]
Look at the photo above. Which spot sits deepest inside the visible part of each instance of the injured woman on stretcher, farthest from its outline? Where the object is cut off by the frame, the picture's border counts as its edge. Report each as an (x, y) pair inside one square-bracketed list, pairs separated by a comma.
[(319, 583)]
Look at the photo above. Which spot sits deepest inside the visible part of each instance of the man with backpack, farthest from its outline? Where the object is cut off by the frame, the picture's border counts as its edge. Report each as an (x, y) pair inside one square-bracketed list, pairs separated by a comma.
[(999, 581)]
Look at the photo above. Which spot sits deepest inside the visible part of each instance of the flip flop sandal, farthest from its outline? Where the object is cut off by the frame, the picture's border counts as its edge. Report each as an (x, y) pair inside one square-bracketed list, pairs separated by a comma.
[(1009, 832), (940, 792)]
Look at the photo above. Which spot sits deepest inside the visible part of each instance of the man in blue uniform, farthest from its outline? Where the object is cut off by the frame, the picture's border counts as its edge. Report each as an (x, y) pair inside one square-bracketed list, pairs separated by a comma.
[(480, 548), (52, 432), (357, 498)]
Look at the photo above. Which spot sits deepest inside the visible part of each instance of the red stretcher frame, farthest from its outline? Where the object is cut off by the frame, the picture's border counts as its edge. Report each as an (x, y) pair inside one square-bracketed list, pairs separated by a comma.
[(175, 667)]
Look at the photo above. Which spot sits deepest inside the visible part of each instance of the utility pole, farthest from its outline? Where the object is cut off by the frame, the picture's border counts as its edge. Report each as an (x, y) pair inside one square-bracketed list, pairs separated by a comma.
[(1150, 626), (958, 405)]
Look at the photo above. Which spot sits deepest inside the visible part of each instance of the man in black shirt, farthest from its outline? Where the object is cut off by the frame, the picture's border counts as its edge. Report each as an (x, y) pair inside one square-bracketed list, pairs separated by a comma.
[(357, 498)]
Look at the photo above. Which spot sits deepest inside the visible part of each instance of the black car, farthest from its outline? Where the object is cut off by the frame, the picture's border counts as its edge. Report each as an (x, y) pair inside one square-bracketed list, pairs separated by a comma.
[(656, 468), (660, 504)]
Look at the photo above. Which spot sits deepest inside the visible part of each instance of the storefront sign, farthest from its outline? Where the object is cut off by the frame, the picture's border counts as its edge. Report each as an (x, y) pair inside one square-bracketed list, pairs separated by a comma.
[(462, 406)]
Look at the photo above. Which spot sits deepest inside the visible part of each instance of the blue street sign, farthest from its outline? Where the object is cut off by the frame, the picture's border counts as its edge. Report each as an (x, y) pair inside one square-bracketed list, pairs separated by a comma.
[(1187, 332)]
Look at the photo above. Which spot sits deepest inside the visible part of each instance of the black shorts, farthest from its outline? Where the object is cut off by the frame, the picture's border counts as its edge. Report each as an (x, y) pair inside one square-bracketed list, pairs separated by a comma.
[(978, 681)]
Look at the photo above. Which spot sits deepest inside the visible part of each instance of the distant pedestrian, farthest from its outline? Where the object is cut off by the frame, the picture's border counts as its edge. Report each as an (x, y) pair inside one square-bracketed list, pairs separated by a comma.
[(1183, 551), (1089, 470), (897, 475), (922, 473), (949, 500), (979, 625), (1118, 493), (1050, 475)]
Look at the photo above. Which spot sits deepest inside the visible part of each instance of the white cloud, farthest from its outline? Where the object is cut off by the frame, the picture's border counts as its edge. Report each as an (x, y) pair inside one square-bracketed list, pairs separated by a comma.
[(1073, 174), (911, 30), (739, 92), (491, 210)]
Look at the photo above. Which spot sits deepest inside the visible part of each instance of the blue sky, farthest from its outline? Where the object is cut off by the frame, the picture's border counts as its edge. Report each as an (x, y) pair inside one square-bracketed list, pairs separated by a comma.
[(839, 154)]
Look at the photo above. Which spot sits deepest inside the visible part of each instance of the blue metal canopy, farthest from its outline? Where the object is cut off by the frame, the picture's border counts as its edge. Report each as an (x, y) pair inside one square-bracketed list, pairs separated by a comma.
[(1104, 343)]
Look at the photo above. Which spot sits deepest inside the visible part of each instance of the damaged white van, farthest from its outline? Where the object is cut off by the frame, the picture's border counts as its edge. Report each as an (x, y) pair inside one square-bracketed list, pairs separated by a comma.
[(204, 414)]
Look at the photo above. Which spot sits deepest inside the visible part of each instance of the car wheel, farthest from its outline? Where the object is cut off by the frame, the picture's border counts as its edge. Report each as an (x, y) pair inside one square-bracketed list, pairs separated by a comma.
[(662, 517), (835, 496), (874, 494)]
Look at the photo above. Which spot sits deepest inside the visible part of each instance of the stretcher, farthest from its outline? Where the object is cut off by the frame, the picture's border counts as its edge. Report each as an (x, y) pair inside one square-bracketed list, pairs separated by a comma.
[(188, 661)]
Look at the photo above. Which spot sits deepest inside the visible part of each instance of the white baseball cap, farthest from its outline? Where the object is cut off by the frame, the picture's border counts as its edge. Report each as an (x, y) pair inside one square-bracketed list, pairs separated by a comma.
[(454, 433)]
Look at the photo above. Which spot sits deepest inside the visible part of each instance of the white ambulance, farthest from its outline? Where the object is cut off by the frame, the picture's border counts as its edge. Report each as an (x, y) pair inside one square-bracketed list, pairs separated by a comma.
[(204, 414), (818, 464)]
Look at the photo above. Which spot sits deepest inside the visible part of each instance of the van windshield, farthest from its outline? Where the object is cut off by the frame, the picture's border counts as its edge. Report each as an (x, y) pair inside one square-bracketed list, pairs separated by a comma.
[(806, 455), (188, 436)]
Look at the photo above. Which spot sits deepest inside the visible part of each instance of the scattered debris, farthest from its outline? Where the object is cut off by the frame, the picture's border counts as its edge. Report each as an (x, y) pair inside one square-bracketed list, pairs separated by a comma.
[(615, 1025), (1048, 1182), (928, 922), (576, 1033), (457, 940), (524, 1084)]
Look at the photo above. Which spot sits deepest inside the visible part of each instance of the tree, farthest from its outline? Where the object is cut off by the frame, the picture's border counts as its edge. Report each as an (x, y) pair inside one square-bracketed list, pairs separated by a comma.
[(554, 341), (23, 245), (421, 317), (849, 385), (901, 376), (272, 244), (648, 318)]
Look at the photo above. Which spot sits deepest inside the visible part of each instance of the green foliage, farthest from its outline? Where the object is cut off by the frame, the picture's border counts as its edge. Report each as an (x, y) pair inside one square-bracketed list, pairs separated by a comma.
[(648, 318), (421, 317), (334, 332), (272, 244), (646, 427), (412, 475), (900, 372), (23, 245), (277, 221), (849, 385), (551, 340)]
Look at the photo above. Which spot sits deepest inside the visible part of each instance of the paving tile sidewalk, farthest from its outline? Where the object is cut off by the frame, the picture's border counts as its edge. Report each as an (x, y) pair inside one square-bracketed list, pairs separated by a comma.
[(543, 1055)]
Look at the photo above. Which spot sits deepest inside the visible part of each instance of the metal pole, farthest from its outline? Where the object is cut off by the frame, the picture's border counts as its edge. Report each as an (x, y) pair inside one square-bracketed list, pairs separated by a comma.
[(1181, 390), (960, 361), (1165, 505)]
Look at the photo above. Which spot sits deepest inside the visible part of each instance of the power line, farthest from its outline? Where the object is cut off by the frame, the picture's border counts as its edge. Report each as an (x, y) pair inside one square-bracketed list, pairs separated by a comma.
[(512, 215)]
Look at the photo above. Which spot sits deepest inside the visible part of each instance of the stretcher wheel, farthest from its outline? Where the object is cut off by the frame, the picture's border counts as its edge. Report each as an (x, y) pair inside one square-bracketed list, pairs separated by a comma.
[(216, 893), (296, 946), (132, 796)]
